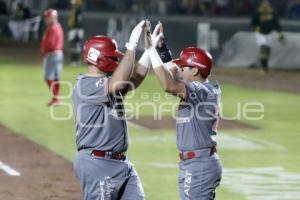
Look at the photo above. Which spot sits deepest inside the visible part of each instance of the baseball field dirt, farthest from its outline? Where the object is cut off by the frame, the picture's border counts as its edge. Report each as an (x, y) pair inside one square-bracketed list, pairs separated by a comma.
[(43, 174), (275, 80)]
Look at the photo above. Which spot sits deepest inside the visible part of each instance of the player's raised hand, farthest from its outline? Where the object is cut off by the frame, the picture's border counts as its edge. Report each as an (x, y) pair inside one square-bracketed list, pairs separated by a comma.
[(135, 36), (157, 34), (147, 35)]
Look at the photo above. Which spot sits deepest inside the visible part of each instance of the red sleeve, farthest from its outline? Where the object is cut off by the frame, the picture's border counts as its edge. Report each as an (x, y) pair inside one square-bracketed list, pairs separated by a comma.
[(53, 39), (44, 42)]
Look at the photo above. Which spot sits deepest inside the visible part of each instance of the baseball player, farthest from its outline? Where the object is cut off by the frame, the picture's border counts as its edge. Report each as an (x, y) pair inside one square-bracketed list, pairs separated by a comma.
[(264, 21), (101, 164), (197, 120), (52, 53), (76, 32)]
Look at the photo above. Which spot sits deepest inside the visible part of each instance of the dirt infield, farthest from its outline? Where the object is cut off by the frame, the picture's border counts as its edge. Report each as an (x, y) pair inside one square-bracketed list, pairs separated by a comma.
[(26, 53), (44, 175), (287, 81)]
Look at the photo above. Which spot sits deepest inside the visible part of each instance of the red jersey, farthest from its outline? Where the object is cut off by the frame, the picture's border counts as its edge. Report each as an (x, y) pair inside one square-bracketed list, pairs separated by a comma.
[(53, 39)]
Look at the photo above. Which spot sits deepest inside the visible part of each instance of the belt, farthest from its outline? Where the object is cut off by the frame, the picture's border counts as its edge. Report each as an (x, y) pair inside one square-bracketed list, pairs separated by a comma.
[(111, 155), (53, 52), (56, 51), (188, 155)]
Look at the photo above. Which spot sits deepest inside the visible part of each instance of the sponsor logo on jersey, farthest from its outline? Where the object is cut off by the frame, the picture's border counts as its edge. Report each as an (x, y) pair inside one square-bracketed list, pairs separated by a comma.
[(100, 83), (182, 120)]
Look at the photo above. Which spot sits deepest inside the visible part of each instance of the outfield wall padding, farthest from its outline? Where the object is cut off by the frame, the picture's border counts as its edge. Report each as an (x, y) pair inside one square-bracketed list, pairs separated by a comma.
[(242, 51)]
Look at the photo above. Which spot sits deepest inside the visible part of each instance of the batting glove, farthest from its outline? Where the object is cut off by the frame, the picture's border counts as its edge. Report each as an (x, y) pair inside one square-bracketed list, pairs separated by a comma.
[(155, 37), (164, 52), (135, 36)]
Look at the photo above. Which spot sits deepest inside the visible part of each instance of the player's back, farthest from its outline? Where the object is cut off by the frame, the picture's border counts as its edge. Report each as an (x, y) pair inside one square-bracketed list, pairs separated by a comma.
[(99, 116)]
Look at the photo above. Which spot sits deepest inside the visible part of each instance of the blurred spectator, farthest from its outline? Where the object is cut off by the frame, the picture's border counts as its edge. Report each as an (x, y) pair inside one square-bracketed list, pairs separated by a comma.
[(222, 7), (119, 5), (293, 9), (3, 8), (193, 7), (94, 5), (187, 7), (18, 25), (61, 4), (76, 32), (175, 7), (245, 8), (21, 12), (206, 7), (279, 6)]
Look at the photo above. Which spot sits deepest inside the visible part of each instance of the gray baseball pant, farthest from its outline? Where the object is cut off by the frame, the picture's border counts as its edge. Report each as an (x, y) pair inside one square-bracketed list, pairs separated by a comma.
[(107, 179), (199, 177)]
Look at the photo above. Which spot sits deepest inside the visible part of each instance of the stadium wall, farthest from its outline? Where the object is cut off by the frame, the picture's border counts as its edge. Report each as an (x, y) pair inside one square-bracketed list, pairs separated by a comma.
[(213, 34)]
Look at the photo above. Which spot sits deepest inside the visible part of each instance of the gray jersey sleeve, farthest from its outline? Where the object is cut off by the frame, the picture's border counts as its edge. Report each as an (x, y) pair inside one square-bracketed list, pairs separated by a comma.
[(92, 90)]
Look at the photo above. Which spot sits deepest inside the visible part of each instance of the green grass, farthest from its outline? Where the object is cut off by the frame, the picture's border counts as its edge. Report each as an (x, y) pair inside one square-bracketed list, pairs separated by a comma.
[(24, 96)]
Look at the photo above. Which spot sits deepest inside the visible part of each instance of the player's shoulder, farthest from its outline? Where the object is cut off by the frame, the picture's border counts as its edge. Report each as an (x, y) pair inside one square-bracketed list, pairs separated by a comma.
[(208, 87), (90, 77), (87, 87), (97, 81), (196, 85), (204, 85), (214, 83), (214, 86), (55, 27)]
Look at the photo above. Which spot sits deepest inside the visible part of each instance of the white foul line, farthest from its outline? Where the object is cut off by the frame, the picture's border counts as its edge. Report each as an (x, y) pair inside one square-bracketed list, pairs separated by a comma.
[(8, 170), (264, 142)]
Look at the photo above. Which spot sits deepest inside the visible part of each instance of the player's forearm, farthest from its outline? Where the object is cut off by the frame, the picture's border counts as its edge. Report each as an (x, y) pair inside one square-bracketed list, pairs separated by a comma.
[(139, 74), (166, 81), (141, 69), (121, 76)]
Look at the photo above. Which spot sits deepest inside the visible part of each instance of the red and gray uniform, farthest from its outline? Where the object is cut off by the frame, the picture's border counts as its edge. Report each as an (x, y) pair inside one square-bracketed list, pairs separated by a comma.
[(100, 123), (200, 168), (51, 50), (101, 127)]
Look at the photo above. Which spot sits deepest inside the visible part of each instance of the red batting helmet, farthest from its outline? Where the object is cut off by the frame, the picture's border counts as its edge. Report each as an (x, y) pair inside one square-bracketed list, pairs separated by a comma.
[(102, 52), (50, 13), (197, 58)]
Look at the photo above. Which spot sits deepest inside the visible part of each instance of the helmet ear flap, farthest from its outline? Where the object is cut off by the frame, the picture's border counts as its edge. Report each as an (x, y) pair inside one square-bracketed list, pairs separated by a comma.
[(102, 62)]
